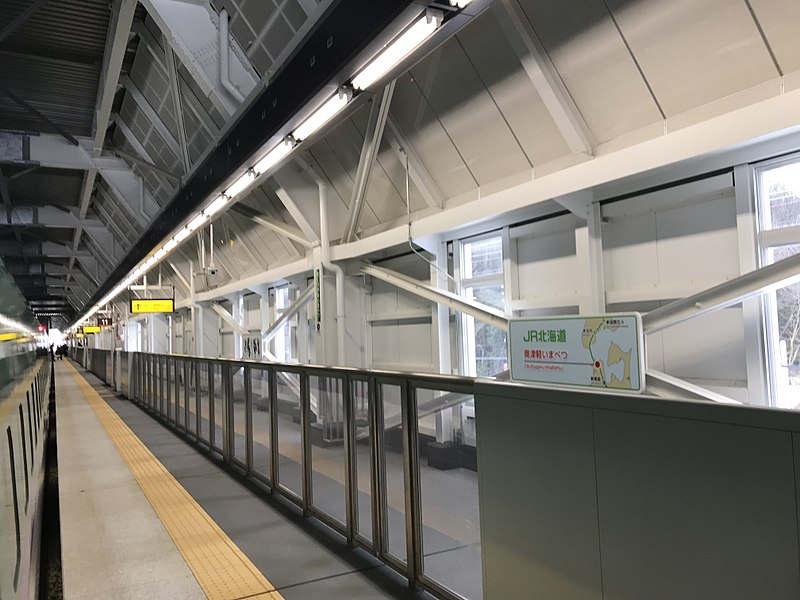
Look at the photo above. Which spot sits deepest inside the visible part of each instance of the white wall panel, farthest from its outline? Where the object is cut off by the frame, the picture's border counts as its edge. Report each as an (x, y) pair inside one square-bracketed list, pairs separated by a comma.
[(547, 265)]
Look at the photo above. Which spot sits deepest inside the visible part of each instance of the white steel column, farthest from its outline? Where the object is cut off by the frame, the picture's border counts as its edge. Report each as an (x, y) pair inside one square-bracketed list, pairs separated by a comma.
[(754, 335)]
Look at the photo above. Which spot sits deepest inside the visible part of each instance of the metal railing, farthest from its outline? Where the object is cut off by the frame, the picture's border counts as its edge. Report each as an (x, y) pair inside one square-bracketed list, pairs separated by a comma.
[(345, 445)]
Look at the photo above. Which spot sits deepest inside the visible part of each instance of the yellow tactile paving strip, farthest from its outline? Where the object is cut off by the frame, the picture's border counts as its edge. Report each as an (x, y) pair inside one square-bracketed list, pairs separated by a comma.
[(221, 569)]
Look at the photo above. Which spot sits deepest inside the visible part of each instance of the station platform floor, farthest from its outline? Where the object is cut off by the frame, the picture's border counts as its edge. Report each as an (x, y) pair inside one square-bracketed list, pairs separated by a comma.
[(144, 514)]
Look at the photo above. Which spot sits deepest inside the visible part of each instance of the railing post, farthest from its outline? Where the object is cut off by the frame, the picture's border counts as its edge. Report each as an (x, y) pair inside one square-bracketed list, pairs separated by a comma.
[(305, 437), (248, 420), (351, 485), (380, 527), (198, 417), (411, 476), (212, 413), (227, 412), (274, 451)]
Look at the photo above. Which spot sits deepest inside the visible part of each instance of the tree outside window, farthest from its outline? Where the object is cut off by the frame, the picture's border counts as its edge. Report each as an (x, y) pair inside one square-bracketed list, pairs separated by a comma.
[(484, 347), (778, 196)]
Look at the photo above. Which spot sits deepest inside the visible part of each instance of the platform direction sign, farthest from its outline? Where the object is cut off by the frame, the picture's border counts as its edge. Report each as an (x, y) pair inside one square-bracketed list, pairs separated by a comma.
[(161, 305), (603, 351)]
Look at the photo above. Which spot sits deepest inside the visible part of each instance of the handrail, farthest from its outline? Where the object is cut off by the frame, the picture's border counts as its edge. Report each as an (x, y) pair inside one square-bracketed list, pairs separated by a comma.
[(350, 412)]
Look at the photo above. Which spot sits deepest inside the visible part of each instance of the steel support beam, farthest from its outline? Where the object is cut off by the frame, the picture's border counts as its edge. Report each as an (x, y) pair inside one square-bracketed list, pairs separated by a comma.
[(21, 19), (481, 312), (373, 136), (116, 43), (543, 75), (228, 318), (172, 73), (287, 314), (285, 229), (782, 273), (668, 386), (417, 170), (55, 127)]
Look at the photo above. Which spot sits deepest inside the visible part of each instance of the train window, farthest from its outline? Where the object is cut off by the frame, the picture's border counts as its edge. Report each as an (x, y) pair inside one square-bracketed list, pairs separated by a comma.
[(24, 454), (30, 428), (16, 503)]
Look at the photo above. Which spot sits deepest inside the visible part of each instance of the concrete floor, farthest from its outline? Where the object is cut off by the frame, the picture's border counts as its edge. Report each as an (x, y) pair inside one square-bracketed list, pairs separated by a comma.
[(113, 544), (301, 557)]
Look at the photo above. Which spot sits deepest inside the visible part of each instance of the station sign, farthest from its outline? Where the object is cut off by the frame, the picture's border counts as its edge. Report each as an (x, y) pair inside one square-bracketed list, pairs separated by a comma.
[(7, 337), (105, 321), (603, 351), (162, 305), (91, 329)]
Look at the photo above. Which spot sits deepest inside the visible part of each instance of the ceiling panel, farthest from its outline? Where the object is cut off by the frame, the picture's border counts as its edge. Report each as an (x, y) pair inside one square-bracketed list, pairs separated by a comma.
[(597, 69), (500, 70), (694, 52), (780, 20), (429, 139), (457, 95)]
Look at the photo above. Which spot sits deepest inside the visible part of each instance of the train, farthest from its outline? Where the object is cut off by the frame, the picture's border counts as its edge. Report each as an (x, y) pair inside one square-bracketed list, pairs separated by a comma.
[(25, 376)]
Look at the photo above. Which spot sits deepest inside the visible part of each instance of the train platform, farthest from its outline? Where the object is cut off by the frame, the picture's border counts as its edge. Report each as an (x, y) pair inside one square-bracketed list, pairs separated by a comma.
[(146, 515)]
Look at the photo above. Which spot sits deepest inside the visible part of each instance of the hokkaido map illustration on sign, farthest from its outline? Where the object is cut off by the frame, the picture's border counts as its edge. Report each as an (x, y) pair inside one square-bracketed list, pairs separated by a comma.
[(603, 351)]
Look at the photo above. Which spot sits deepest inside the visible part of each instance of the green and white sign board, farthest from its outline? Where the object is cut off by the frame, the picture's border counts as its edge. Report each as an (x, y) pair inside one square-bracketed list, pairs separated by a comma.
[(605, 351)]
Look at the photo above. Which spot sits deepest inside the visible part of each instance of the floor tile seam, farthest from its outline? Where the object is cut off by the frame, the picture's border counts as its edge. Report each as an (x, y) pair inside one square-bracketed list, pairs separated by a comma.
[(216, 534)]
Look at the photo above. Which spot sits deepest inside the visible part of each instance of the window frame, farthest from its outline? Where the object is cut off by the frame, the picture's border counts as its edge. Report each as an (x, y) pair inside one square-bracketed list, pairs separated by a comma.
[(768, 239)]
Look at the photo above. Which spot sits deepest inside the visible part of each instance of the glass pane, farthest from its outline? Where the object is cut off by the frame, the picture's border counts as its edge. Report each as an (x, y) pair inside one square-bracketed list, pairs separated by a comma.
[(204, 404), (393, 467), (180, 397), (327, 446), (169, 388), (219, 406), (491, 353), (785, 328), (780, 196), (362, 415), (449, 491), (259, 384), (482, 257), (290, 445), (191, 396), (239, 417)]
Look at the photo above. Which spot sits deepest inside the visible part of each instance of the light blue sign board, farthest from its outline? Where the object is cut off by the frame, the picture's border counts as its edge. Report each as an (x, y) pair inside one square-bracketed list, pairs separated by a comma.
[(601, 352)]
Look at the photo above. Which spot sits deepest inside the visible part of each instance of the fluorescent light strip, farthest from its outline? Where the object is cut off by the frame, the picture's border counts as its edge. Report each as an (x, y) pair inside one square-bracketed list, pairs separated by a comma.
[(322, 115), (213, 208), (240, 184), (171, 245), (396, 51), (182, 235), (459, 3), (197, 222), (273, 157)]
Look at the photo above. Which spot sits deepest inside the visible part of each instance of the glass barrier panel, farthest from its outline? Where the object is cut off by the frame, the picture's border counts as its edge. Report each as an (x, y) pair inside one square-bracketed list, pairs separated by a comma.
[(191, 396), (169, 388), (260, 417), (448, 478), (239, 451), (290, 445), (205, 413), (180, 404), (393, 474), (328, 458), (219, 406), (362, 415)]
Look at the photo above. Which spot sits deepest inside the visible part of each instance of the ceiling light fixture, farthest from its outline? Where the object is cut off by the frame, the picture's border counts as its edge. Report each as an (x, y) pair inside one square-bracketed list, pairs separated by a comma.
[(238, 186), (322, 115), (214, 207), (397, 50), (273, 157)]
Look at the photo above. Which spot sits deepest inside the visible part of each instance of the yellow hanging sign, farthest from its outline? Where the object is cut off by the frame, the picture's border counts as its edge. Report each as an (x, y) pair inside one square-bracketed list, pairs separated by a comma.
[(91, 329), (166, 305)]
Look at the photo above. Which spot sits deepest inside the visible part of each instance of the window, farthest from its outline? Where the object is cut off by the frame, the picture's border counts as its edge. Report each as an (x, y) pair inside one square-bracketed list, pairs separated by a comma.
[(484, 351), (778, 198), (285, 338)]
